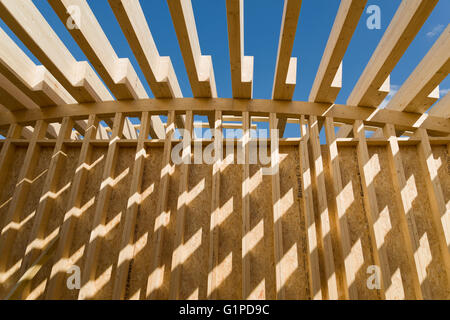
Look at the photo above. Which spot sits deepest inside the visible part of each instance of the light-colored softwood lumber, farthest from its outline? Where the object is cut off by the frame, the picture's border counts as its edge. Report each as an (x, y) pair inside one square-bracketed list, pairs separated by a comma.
[(215, 208), (46, 202), (286, 67), (292, 109), (377, 222), (373, 85), (241, 65), (155, 279), (179, 252), (344, 131), (246, 228), (12, 98), (328, 80), (7, 153), (421, 89), (329, 287), (88, 289), (15, 210), (19, 71), (404, 199), (199, 67), (276, 207), (61, 264), (134, 201), (78, 78), (440, 211), (308, 209), (346, 269), (441, 108), (157, 70)]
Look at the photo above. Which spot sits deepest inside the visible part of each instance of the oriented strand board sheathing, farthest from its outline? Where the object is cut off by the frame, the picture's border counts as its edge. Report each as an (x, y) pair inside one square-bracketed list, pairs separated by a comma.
[(357, 221), (422, 214), (442, 158)]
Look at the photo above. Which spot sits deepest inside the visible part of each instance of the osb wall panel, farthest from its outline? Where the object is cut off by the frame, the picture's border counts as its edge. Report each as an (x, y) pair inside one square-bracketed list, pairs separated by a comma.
[(195, 268)]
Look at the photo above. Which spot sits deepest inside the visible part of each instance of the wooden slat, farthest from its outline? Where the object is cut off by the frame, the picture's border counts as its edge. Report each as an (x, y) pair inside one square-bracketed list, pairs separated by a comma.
[(178, 253), (7, 153), (373, 85), (12, 98), (241, 65), (15, 210), (73, 210), (215, 208), (46, 203), (134, 201), (88, 289), (329, 286), (276, 207), (421, 89), (246, 228), (199, 67), (30, 26), (292, 109), (441, 108), (328, 80), (308, 208), (404, 199), (156, 274), (440, 211), (34, 81), (377, 222)]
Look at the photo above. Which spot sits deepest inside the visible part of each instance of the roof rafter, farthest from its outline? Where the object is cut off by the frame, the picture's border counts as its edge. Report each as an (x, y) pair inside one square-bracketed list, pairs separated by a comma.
[(241, 66), (374, 84), (441, 108), (328, 80)]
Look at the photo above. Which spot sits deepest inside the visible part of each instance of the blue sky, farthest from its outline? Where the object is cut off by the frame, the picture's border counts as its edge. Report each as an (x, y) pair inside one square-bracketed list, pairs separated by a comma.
[(262, 22)]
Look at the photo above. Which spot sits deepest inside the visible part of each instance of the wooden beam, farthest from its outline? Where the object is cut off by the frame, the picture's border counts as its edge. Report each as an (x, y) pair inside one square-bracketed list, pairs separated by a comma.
[(215, 208), (328, 80), (373, 85), (178, 254), (73, 210), (46, 203), (78, 78), (292, 109), (323, 216), (134, 201), (241, 65), (421, 89), (344, 131), (16, 207), (346, 256), (156, 277), (88, 289), (440, 211), (404, 199), (378, 222), (276, 207), (199, 67), (286, 66), (441, 108), (308, 209), (7, 152), (12, 98), (19, 71)]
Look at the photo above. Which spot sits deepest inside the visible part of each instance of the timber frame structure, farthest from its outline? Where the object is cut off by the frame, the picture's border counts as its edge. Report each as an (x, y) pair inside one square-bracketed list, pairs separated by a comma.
[(83, 185)]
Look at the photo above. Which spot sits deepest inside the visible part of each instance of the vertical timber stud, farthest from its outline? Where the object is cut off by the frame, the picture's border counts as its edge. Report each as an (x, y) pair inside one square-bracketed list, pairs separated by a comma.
[(246, 206), (276, 197), (72, 212), (215, 208), (15, 210), (404, 199), (8, 149), (134, 200), (46, 202), (308, 208), (440, 212), (155, 279), (378, 223), (346, 268), (178, 253), (88, 289), (329, 286)]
